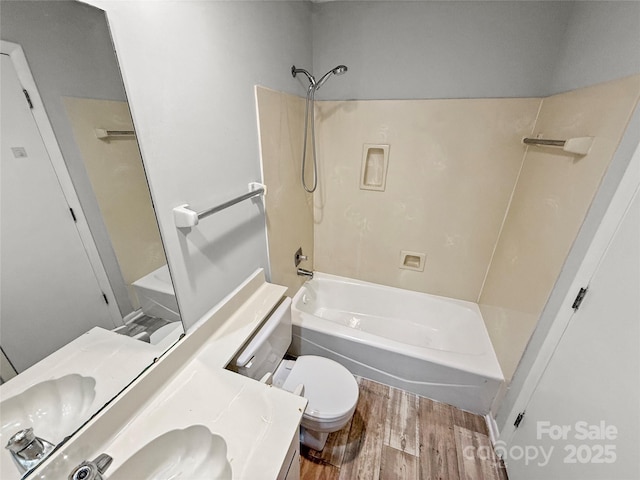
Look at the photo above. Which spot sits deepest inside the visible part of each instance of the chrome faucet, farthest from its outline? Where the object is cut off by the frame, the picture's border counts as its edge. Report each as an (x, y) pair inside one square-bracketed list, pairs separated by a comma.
[(92, 470), (28, 450), (305, 273), (297, 259)]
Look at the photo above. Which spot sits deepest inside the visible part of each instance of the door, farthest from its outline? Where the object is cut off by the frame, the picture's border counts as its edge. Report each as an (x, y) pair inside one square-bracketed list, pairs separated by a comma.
[(583, 419), (49, 293)]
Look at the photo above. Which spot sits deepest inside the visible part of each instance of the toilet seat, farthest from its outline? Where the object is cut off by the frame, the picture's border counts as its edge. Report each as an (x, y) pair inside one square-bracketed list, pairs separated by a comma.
[(331, 390)]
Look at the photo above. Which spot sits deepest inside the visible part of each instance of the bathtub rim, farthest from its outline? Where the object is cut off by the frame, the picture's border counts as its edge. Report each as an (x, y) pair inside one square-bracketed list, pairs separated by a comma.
[(485, 364)]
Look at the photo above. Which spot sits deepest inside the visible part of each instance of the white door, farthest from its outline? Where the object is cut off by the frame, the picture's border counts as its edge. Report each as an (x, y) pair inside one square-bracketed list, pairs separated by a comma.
[(583, 419), (49, 294)]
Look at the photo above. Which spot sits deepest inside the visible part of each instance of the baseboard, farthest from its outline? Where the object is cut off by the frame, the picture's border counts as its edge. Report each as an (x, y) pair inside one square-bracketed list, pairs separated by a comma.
[(492, 426)]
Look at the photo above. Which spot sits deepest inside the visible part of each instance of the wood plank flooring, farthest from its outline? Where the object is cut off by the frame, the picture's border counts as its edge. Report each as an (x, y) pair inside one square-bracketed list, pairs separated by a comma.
[(397, 435)]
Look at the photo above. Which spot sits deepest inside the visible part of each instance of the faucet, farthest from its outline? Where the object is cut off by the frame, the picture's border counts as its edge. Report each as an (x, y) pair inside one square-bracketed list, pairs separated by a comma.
[(92, 470), (28, 450), (298, 258), (305, 273)]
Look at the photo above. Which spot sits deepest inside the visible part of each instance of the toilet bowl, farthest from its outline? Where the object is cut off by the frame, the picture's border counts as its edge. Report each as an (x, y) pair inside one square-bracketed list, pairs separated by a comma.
[(332, 393), (330, 389)]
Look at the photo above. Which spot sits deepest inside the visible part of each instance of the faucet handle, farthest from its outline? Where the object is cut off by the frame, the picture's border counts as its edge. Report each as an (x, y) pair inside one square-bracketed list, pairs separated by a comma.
[(103, 461), (21, 440), (299, 257), (92, 470)]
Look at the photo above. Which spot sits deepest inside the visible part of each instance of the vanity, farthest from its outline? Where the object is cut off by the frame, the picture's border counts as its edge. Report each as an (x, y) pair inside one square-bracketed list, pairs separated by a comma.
[(187, 408)]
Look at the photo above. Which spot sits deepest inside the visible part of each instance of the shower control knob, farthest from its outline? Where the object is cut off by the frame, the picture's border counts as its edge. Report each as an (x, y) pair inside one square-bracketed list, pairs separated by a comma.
[(299, 257)]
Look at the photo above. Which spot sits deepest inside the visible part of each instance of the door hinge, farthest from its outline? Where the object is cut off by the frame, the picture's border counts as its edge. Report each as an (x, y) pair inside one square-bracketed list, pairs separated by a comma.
[(106, 300), (518, 419), (26, 95), (73, 215), (578, 301)]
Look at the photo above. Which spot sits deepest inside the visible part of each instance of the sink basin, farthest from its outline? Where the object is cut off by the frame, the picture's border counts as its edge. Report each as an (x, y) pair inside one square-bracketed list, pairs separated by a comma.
[(53, 408), (190, 454)]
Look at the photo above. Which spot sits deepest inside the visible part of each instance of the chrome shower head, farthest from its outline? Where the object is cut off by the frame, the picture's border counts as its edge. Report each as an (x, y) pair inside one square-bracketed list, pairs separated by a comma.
[(339, 70)]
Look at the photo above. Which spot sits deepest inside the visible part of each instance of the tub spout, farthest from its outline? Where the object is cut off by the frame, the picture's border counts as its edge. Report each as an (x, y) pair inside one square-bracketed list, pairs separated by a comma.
[(305, 273)]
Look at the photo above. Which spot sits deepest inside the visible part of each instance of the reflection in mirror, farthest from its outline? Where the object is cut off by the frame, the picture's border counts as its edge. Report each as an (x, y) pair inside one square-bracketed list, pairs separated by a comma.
[(87, 299)]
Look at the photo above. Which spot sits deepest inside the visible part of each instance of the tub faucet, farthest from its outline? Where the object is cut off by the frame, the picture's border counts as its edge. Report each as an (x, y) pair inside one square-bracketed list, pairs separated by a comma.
[(305, 273), (92, 470), (28, 450)]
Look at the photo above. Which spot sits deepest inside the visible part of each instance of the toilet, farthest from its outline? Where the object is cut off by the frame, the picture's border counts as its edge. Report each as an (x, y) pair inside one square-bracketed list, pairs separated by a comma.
[(330, 389)]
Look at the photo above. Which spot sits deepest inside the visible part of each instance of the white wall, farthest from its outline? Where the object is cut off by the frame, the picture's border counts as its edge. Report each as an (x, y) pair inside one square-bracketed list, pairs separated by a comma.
[(69, 50), (601, 43), (450, 49), (458, 49), (190, 68)]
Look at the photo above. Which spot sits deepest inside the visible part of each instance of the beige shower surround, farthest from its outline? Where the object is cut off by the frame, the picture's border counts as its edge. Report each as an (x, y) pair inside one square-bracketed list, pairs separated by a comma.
[(495, 219), (289, 209), (550, 201), (128, 213), (452, 167)]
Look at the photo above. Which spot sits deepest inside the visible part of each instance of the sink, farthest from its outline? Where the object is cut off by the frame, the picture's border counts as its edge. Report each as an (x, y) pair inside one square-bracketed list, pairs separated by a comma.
[(190, 454), (53, 408)]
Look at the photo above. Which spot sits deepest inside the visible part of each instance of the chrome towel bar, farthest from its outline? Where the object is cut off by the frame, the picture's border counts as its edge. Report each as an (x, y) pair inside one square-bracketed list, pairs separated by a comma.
[(578, 145), (104, 134), (544, 141), (185, 217)]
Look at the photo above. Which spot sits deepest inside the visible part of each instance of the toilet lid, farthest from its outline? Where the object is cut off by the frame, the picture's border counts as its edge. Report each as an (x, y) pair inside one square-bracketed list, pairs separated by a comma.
[(330, 388)]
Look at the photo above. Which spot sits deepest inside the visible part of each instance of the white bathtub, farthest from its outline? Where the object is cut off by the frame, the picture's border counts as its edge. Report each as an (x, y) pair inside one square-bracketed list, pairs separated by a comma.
[(433, 346)]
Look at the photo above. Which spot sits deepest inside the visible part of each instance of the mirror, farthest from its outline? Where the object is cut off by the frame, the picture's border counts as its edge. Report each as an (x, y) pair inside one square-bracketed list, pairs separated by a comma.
[(85, 291)]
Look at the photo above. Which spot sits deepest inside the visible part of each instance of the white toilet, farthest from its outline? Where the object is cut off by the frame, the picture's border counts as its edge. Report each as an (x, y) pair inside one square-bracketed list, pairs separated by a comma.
[(331, 390)]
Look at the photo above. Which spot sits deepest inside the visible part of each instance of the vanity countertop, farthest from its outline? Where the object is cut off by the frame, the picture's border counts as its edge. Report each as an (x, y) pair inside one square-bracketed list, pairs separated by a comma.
[(99, 353), (190, 386), (106, 359)]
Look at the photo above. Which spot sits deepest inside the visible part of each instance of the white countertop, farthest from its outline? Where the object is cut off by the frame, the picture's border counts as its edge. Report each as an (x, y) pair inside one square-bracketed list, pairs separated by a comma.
[(109, 358), (190, 386), (116, 359)]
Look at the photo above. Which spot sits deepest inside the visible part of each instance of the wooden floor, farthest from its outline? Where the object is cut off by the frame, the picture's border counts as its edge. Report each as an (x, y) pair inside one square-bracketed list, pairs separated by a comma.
[(398, 435)]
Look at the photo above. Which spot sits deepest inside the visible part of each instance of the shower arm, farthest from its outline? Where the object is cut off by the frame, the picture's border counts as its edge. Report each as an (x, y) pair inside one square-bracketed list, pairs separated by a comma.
[(295, 71)]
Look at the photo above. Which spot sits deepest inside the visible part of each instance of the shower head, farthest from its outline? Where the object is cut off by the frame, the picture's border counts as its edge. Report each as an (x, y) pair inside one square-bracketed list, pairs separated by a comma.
[(313, 86), (339, 70)]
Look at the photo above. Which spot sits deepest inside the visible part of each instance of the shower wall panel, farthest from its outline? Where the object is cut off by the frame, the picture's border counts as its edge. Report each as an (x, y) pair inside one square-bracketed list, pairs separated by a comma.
[(550, 201), (289, 208), (128, 215), (451, 171)]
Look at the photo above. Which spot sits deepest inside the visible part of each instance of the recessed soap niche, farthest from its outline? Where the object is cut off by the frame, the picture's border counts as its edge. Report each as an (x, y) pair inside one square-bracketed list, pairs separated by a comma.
[(375, 161), (412, 260)]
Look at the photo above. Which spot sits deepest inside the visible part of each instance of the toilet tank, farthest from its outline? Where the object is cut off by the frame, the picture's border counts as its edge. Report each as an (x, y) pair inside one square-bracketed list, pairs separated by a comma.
[(156, 295), (266, 349)]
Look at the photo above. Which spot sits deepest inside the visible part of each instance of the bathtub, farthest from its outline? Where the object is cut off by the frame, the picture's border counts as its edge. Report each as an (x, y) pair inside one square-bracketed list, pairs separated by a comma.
[(436, 347)]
